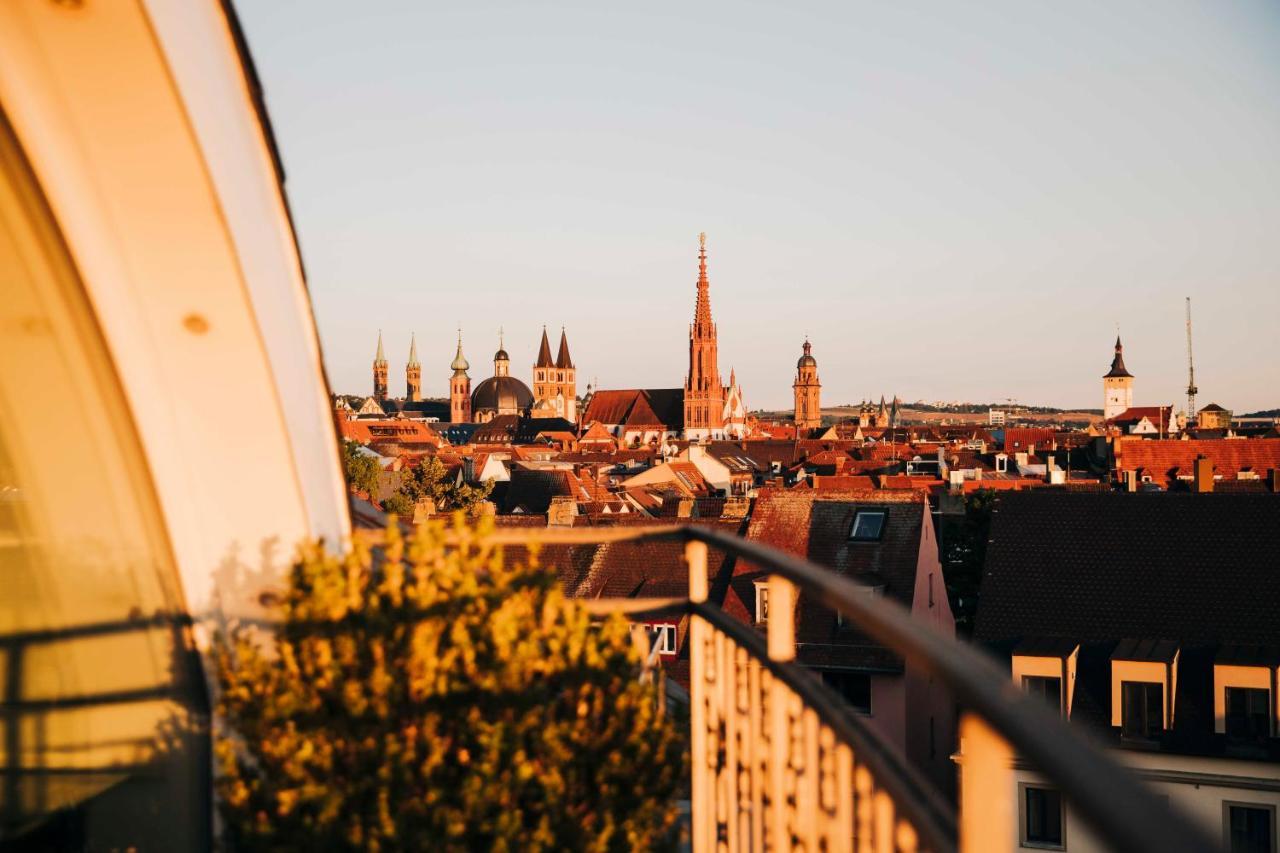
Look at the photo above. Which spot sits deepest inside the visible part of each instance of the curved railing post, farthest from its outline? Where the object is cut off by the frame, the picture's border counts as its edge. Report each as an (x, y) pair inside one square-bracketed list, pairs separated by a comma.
[(781, 627), (701, 795)]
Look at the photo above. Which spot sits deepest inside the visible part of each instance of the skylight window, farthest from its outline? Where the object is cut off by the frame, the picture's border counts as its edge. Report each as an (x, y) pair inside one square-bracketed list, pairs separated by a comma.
[(868, 525)]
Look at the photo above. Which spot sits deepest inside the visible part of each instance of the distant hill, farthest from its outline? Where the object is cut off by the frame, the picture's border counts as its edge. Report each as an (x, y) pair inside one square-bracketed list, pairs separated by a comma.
[(968, 413), (1265, 413)]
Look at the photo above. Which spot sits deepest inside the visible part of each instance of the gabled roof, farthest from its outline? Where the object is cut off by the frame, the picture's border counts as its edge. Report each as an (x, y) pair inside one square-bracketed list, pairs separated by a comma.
[(638, 407)]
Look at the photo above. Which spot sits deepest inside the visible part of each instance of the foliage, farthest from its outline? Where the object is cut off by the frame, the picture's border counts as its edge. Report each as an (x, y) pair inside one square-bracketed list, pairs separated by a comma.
[(360, 469), (441, 697), (964, 551), (398, 504), (430, 480)]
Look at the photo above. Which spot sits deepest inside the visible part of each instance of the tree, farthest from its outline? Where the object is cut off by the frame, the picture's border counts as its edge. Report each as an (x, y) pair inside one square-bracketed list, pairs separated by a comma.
[(360, 469), (450, 699), (430, 480), (398, 504)]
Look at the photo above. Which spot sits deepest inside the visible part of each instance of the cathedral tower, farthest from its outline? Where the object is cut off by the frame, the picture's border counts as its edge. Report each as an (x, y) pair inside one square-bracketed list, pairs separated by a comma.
[(808, 391), (555, 383), (413, 373), (459, 388), (1117, 386), (380, 372), (703, 390)]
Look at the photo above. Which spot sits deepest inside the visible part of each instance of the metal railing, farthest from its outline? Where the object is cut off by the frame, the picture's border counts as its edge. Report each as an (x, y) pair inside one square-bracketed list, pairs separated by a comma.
[(780, 762)]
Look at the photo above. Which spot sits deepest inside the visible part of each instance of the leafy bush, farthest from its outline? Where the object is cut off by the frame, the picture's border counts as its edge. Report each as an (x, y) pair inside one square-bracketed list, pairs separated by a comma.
[(438, 696)]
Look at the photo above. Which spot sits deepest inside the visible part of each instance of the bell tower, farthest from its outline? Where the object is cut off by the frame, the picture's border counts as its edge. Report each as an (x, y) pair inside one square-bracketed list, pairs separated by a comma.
[(1117, 386), (413, 373), (459, 388), (808, 413), (380, 371)]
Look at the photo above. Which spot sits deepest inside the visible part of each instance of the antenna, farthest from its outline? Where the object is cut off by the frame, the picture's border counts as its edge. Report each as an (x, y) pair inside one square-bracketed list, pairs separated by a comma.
[(1192, 390)]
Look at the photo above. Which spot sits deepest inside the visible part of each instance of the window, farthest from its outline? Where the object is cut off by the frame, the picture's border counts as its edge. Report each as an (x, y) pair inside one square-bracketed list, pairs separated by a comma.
[(1046, 687), (1250, 828), (1248, 713), (762, 602), (662, 638), (1042, 817), (868, 524), (1141, 709), (853, 687)]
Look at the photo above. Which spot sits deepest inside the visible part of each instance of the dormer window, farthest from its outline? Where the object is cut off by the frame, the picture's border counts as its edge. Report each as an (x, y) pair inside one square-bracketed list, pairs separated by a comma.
[(662, 637), (1046, 669), (868, 525), (1045, 687), (1143, 685), (1244, 678)]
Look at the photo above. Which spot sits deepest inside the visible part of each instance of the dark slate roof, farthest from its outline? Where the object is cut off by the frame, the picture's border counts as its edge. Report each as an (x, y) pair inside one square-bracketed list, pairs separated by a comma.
[(1117, 363), (1103, 566), (426, 408), (527, 429), (460, 433)]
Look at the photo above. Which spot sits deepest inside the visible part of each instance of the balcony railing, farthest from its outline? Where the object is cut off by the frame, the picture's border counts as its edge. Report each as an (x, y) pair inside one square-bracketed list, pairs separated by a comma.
[(781, 763)]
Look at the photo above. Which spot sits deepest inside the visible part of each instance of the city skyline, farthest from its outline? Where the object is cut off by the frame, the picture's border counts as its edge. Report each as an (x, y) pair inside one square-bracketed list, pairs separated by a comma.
[(953, 204)]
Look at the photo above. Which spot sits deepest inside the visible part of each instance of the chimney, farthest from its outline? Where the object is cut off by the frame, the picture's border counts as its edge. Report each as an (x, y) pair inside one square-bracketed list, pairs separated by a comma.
[(684, 509), (1131, 480), (1204, 474), (562, 511)]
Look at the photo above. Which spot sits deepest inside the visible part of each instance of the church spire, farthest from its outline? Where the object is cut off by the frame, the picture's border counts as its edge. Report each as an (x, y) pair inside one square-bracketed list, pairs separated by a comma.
[(459, 364), (562, 357), (544, 351), (380, 371), (381, 356), (413, 350), (1117, 363), (702, 311)]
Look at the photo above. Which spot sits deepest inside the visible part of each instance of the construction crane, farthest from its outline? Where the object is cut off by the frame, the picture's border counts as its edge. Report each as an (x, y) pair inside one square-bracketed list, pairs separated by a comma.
[(1191, 371)]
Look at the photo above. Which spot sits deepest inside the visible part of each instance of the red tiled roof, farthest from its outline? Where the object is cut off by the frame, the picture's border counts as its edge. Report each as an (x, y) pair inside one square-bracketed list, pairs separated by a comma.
[(1163, 458), (638, 407)]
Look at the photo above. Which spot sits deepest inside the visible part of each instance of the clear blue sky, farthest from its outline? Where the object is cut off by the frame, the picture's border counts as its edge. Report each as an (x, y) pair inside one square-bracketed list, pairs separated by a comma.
[(955, 201)]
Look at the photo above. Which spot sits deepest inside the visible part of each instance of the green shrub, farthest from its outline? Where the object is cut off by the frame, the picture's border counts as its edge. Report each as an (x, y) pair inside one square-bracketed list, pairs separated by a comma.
[(433, 696)]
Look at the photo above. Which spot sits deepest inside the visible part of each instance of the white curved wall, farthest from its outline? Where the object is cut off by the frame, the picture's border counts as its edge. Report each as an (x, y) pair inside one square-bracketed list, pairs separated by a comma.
[(138, 122)]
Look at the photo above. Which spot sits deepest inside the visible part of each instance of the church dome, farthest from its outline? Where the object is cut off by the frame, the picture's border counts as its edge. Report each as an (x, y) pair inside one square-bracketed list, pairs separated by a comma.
[(807, 361), (501, 395)]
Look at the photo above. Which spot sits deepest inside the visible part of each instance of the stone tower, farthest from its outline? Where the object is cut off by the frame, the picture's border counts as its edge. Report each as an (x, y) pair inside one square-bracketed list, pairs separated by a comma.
[(413, 373), (380, 371), (459, 388), (808, 391), (555, 383), (703, 390), (1117, 386)]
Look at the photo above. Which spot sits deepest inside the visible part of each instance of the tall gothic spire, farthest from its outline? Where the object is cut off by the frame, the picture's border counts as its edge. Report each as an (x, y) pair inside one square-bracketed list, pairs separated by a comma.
[(381, 356), (413, 350), (702, 311)]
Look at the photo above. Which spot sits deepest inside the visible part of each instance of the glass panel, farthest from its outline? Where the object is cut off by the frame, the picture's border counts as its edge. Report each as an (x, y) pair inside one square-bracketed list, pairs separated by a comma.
[(867, 525), (853, 687), (1250, 829), (102, 704), (1044, 816), (1142, 709), (1248, 713), (1045, 687)]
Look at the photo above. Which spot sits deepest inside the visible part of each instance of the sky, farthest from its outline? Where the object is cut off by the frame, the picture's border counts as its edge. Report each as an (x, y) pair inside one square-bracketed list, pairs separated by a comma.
[(953, 201)]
